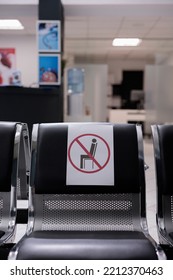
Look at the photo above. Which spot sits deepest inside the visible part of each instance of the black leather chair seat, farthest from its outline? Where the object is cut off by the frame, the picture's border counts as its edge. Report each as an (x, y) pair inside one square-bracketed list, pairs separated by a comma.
[(1, 233), (42, 245)]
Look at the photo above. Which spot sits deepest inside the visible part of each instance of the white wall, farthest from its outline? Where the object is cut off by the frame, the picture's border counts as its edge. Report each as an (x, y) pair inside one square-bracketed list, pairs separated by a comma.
[(159, 93), (26, 56), (98, 80), (169, 60), (26, 51)]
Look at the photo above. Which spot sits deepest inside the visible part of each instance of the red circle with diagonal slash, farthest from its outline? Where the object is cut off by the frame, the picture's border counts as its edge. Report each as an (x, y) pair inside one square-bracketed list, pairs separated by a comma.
[(76, 140)]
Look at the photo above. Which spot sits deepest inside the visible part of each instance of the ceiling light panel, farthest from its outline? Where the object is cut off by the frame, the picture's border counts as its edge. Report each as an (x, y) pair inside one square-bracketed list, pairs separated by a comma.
[(126, 42), (11, 24)]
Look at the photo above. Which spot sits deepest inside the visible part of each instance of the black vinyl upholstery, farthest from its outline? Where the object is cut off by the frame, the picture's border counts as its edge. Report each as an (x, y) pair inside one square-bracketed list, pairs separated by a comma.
[(86, 221), (7, 133), (165, 135), (51, 161), (163, 151), (87, 245), (1, 233)]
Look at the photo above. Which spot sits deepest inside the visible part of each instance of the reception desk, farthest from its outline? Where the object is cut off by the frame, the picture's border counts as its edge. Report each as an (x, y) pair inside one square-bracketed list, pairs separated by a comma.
[(31, 105), (127, 116)]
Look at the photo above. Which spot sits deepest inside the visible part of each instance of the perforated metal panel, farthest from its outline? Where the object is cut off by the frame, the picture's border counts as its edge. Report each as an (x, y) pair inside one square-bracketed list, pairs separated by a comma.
[(5, 198), (18, 188), (172, 208), (85, 212)]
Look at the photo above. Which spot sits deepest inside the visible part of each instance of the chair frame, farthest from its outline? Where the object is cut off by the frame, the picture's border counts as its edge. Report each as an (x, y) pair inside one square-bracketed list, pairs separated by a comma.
[(163, 214), (9, 218), (24, 164)]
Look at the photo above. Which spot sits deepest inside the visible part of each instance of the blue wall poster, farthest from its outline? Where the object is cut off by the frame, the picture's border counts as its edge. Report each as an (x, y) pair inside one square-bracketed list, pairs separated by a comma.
[(49, 69), (49, 36)]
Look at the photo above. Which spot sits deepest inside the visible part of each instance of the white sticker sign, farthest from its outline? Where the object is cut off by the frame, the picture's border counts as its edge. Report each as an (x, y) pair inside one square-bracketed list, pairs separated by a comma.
[(90, 155)]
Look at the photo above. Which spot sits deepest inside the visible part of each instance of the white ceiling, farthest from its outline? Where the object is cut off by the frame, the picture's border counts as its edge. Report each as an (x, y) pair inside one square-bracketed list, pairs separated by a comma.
[(90, 28)]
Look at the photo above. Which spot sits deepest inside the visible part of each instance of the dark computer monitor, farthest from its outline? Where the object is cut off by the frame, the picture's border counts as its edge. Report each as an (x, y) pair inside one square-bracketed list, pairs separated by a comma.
[(116, 90)]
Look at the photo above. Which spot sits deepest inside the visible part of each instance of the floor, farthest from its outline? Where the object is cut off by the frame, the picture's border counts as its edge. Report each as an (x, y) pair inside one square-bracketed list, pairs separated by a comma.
[(150, 193)]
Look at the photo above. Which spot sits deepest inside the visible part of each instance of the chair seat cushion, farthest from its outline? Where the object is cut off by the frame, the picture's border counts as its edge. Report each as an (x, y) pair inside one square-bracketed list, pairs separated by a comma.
[(1, 233), (55, 245)]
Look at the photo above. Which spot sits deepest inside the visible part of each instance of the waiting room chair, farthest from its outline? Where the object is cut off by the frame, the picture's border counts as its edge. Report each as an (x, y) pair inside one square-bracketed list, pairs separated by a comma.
[(82, 220), (11, 134), (163, 152)]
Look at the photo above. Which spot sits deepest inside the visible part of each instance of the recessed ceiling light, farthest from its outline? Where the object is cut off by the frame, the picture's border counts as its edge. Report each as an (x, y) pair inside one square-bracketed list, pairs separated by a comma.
[(126, 42), (10, 24)]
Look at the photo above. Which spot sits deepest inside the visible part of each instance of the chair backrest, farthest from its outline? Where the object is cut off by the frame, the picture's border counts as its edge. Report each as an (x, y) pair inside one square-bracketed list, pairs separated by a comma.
[(10, 140), (163, 151), (87, 204)]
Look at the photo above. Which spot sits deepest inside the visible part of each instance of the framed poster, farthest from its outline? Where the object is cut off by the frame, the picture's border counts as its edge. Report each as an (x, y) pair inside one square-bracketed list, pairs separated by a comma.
[(7, 65), (49, 69), (49, 35)]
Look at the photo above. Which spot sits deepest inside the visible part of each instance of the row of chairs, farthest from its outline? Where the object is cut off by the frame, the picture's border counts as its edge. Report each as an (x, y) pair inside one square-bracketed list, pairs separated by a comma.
[(90, 215)]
